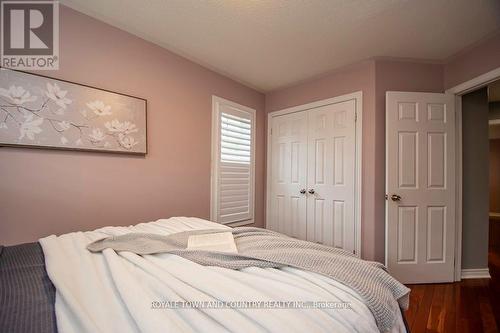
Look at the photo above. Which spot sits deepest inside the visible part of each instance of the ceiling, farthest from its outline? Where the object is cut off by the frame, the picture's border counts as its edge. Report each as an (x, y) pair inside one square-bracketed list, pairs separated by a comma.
[(269, 44)]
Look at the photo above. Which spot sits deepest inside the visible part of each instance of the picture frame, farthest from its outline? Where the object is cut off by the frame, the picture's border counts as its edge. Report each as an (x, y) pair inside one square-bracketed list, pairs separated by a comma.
[(38, 111)]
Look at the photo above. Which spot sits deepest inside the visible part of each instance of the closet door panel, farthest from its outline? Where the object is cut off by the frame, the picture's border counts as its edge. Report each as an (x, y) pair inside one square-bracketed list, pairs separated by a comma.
[(330, 175), (289, 174)]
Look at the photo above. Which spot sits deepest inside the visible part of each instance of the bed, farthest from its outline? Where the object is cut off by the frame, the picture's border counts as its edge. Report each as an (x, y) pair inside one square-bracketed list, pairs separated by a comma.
[(57, 285)]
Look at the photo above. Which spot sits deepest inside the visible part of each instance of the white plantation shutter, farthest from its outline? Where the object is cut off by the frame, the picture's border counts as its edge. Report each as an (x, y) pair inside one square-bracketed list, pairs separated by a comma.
[(233, 163)]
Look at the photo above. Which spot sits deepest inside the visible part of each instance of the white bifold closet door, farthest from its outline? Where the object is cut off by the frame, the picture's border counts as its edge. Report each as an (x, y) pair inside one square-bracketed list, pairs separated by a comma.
[(331, 167), (313, 175), (289, 175)]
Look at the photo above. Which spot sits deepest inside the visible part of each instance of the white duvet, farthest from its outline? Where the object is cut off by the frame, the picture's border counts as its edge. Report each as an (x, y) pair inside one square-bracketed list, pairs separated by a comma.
[(121, 291)]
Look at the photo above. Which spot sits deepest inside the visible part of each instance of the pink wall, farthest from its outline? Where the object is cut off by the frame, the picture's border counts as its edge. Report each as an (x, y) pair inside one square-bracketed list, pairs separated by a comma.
[(473, 61), (347, 80), (374, 78), (44, 192)]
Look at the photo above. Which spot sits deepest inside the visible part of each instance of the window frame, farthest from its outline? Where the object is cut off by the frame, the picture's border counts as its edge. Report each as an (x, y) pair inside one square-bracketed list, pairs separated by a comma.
[(216, 161)]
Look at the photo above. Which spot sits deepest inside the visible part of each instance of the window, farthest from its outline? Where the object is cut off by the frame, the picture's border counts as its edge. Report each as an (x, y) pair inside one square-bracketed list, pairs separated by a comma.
[(233, 163)]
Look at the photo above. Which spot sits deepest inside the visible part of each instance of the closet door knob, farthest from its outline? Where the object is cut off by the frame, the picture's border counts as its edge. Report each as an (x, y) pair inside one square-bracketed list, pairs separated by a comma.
[(395, 197), (303, 191), (311, 191)]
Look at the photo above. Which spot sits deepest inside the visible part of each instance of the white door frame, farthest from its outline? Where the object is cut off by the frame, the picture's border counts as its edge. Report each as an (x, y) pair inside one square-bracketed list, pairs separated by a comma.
[(358, 98), (458, 91)]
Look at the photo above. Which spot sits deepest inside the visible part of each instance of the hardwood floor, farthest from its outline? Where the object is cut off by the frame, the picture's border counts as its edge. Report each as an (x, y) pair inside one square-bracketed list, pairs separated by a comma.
[(468, 306)]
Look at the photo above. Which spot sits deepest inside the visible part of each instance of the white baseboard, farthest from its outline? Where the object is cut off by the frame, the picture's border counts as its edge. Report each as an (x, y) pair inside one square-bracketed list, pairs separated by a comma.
[(476, 273)]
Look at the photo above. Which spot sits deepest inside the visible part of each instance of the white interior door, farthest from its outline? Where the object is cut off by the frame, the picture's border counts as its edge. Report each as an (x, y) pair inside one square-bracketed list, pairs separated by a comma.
[(288, 174), (331, 175), (420, 184)]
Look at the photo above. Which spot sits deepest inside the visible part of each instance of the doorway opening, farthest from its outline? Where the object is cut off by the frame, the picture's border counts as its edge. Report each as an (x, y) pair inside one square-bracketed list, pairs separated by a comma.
[(481, 183), (474, 299)]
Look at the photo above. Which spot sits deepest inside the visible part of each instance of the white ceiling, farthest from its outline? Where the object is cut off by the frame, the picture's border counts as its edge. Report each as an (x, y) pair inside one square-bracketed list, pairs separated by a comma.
[(268, 44)]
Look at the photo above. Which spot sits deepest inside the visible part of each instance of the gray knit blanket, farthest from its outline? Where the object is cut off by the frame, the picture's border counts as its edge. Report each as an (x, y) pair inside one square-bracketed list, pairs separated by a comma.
[(264, 248)]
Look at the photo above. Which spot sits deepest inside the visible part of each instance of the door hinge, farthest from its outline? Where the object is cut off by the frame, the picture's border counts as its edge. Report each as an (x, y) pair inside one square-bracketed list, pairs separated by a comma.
[(355, 116)]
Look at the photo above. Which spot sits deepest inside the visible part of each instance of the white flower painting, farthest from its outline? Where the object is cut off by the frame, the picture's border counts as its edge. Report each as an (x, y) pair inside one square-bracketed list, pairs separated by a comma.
[(57, 95), (64, 125), (100, 108), (17, 95), (97, 135), (30, 127), (127, 142), (116, 127), (36, 111)]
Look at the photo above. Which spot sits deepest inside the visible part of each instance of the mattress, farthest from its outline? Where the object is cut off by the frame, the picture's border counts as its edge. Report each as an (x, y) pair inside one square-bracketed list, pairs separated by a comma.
[(27, 295)]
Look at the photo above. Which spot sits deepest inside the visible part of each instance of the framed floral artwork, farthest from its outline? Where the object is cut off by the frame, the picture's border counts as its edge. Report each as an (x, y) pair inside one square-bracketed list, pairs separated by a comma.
[(42, 112)]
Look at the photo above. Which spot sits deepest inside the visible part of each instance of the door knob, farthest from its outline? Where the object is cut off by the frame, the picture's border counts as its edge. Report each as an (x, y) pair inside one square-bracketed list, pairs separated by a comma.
[(303, 191), (311, 191), (395, 197)]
